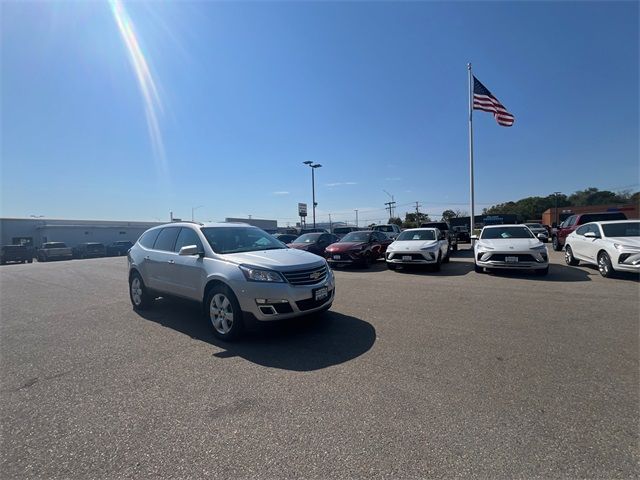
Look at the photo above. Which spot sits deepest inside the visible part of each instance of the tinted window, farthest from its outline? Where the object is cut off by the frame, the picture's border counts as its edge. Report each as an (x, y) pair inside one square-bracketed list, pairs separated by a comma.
[(384, 228), (626, 229), (166, 239), (148, 238), (582, 230), (341, 230), (600, 217), (187, 237), (54, 245), (570, 221), (506, 233)]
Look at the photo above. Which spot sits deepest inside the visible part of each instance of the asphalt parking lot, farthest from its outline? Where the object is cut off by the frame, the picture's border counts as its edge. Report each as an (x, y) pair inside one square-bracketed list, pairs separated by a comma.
[(411, 374)]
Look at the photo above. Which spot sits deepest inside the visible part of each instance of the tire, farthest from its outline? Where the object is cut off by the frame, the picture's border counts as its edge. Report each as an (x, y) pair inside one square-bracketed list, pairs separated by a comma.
[(391, 266), (223, 313), (569, 258), (447, 258), (477, 268), (542, 271), (556, 244), (138, 293), (436, 267), (604, 265)]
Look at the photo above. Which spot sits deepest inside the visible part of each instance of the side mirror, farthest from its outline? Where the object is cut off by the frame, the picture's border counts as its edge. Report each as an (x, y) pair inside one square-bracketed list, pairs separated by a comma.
[(590, 235), (542, 236), (189, 250)]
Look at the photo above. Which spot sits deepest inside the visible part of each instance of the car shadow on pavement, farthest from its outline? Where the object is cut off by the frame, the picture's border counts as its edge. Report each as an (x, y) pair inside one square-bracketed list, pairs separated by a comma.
[(451, 269), (303, 344), (624, 276)]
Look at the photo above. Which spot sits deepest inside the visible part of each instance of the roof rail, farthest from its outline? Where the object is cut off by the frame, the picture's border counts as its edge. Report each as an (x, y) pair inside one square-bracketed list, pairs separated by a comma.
[(187, 221)]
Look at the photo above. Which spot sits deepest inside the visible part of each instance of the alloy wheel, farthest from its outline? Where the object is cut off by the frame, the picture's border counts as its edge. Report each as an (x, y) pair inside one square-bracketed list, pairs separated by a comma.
[(136, 291), (221, 313)]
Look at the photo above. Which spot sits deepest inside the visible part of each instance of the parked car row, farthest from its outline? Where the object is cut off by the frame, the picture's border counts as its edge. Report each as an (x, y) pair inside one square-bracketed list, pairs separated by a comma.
[(50, 251), (240, 274)]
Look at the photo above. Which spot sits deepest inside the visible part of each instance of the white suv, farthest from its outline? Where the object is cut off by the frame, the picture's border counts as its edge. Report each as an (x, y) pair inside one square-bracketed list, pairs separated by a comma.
[(237, 271)]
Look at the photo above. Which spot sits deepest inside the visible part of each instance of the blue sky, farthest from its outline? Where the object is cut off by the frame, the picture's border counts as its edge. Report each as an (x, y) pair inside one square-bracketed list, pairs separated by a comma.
[(375, 92)]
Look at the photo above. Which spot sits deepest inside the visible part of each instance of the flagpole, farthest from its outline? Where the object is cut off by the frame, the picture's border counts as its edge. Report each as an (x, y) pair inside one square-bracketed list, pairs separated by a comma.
[(471, 190)]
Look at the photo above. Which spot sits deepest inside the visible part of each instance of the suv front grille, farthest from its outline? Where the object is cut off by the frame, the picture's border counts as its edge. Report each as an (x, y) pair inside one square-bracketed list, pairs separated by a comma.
[(501, 257), (306, 277)]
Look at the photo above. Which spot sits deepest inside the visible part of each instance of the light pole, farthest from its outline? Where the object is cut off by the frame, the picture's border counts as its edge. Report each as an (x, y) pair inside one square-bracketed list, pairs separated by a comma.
[(193, 209), (557, 215), (313, 186)]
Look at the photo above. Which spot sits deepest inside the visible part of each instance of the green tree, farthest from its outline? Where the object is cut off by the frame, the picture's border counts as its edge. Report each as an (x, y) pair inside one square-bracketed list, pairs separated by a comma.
[(396, 220), (447, 215), (411, 220)]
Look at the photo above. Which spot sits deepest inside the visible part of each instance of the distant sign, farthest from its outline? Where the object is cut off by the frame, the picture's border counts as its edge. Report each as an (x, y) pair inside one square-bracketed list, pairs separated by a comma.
[(302, 209)]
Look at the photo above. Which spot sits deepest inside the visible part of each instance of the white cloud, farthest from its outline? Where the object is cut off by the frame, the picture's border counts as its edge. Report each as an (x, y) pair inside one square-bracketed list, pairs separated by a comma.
[(281, 193), (339, 184)]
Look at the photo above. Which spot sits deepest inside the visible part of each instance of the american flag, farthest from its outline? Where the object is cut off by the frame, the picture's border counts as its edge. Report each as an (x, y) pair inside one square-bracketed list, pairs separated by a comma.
[(484, 100)]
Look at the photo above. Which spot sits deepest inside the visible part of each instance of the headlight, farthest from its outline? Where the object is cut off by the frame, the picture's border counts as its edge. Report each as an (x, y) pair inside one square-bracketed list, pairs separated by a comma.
[(620, 246), (482, 246), (540, 248), (254, 274), (430, 247)]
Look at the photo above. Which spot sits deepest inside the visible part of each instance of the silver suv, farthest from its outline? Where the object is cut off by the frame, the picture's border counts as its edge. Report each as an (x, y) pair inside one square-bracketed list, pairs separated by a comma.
[(237, 271)]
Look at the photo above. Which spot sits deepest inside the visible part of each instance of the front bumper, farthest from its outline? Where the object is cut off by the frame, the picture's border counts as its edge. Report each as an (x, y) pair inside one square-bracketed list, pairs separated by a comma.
[(344, 258), (526, 260), (416, 257), (628, 261), (283, 300)]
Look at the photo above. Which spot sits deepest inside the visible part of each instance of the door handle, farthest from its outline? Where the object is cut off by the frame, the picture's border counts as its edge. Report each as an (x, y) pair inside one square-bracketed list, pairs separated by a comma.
[(171, 262)]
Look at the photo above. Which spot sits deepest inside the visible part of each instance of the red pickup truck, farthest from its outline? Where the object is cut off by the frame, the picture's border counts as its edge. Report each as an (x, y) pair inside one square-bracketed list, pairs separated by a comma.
[(559, 235)]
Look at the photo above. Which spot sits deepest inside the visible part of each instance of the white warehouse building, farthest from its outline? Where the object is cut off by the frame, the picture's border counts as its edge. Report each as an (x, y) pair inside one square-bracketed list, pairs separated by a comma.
[(36, 231)]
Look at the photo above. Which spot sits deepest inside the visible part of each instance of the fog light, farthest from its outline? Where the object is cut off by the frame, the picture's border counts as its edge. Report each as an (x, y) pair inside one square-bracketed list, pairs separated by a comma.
[(270, 301)]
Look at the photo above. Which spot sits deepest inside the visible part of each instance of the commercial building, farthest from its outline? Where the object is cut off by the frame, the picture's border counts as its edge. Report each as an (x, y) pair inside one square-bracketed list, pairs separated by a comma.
[(270, 226), (552, 216), (36, 231), (480, 221)]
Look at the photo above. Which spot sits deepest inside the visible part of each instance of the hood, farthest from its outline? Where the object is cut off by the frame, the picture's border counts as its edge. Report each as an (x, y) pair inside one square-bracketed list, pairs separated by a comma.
[(284, 259), (631, 241), (412, 245), (505, 244), (345, 246)]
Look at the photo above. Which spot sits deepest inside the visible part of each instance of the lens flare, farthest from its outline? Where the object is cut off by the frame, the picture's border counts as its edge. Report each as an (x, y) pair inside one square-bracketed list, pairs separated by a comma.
[(152, 104)]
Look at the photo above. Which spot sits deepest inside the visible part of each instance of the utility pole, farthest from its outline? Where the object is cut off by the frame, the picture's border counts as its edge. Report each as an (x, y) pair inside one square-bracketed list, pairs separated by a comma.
[(390, 208), (330, 229), (356, 218), (557, 215), (391, 204)]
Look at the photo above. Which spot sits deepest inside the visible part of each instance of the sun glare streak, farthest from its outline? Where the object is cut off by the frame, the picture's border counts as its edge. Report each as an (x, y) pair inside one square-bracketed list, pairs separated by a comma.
[(152, 104)]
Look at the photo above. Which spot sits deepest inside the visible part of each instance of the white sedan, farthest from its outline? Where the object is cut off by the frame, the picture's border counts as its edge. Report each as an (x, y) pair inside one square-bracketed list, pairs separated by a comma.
[(611, 246), (510, 247), (418, 246)]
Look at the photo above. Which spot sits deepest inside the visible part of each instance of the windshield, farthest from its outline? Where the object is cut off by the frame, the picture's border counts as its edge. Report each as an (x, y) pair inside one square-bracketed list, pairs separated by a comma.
[(356, 237), (534, 225), (240, 239), (626, 229), (384, 228), (307, 238), (54, 245), (506, 233), (341, 230), (418, 235), (441, 226)]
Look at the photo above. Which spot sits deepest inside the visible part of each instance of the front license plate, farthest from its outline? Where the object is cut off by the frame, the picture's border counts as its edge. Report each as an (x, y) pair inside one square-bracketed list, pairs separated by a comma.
[(336, 257), (406, 257), (320, 294), (511, 259)]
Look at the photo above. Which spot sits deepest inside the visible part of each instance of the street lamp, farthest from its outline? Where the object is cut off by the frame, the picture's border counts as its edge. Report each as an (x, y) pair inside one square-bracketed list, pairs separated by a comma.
[(313, 186), (193, 209), (557, 215)]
